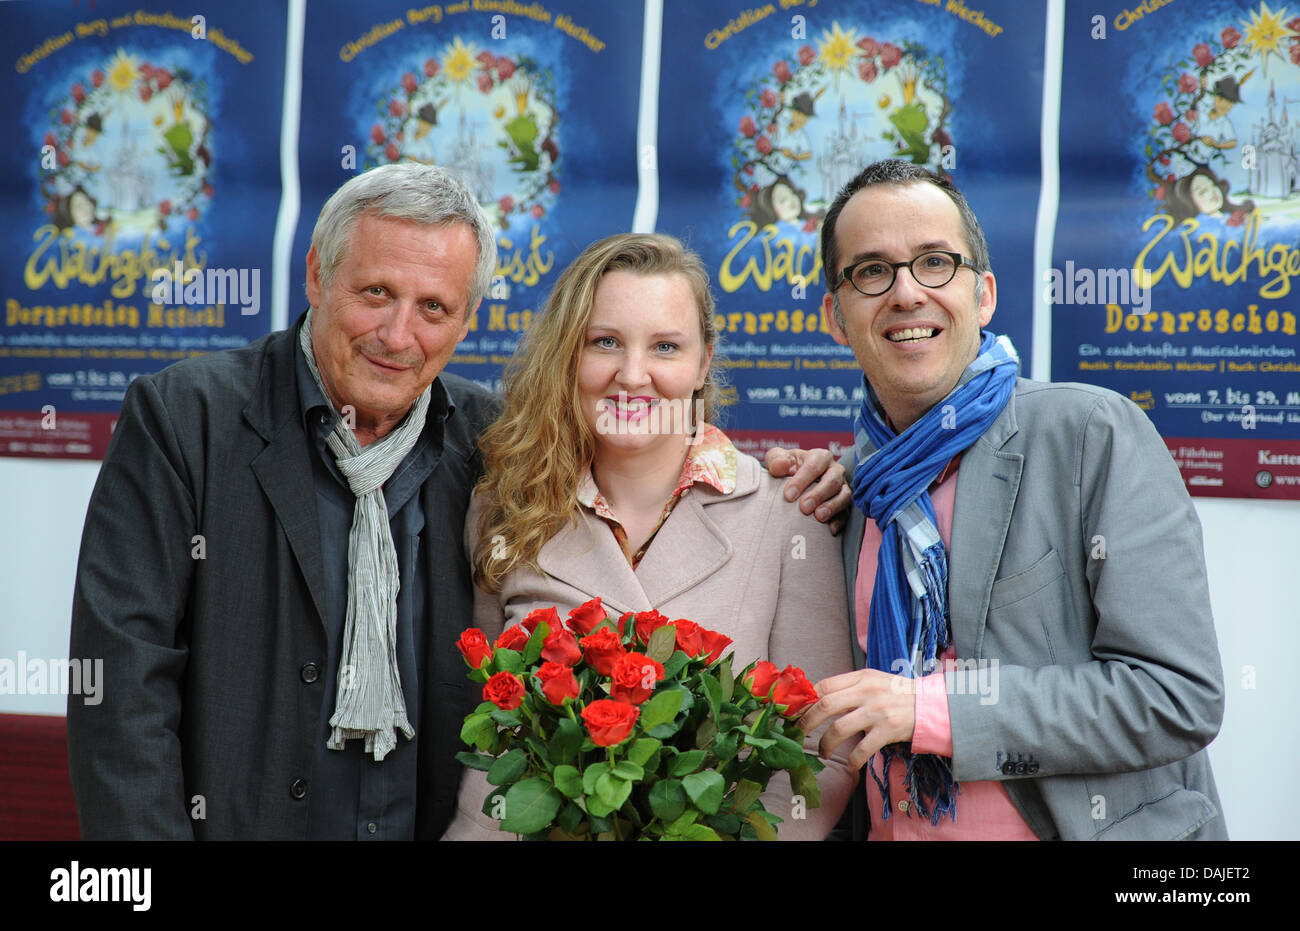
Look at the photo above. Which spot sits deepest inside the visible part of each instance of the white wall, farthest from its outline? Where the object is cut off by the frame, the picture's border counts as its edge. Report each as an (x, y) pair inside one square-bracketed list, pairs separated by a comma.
[(1252, 548)]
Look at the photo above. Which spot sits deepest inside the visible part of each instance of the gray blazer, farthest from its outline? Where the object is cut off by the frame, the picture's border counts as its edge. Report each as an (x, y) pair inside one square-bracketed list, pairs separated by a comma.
[(1077, 567), (212, 665)]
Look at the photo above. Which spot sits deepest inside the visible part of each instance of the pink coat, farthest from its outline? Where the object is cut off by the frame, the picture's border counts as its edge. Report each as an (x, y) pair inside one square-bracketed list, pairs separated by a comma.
[(747, 564)]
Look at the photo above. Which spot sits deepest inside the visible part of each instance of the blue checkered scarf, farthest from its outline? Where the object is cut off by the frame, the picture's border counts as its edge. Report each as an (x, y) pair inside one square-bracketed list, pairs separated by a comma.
[(908, 626)]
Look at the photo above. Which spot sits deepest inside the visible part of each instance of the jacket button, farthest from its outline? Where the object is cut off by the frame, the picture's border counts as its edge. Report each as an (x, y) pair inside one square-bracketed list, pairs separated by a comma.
[(310, 673), (903, 806), (298, 789), (371, 828)]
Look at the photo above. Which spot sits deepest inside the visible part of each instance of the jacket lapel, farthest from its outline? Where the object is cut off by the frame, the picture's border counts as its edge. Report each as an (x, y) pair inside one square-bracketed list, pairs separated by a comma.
[(987, 484), (283, 468), (586, 556)]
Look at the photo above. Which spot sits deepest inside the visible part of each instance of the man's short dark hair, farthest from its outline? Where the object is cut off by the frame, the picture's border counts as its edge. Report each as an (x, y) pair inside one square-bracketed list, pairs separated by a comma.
[(897, 171)]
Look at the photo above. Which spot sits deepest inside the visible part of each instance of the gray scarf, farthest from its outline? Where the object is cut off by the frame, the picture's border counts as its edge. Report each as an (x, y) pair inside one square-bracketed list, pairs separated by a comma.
[(369, 702)]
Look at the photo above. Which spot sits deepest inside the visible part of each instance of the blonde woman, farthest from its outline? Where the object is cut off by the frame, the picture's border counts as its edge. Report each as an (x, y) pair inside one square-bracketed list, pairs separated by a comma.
[(605, 477)]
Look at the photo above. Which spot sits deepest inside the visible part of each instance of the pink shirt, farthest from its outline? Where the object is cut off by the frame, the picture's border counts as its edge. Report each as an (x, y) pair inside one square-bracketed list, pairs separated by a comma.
[(984, 810)]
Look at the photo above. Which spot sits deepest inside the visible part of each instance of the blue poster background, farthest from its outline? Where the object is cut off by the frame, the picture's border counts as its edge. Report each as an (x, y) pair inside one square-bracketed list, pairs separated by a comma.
[(139, 139), (767, 110), (536, 106), (1177, 261)]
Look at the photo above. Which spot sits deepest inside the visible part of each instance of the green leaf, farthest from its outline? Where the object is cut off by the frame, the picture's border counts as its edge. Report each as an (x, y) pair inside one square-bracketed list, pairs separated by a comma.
[(508, 768), (785, 755), (568, 781), (485, 707), (530, 806), (598, 808), (705, 733), (705, 790), (725, 677), (642, 749), (569, 818), (712, 692), (566, 740), (700, 832), (683, 821), (662, 643), (675, 664), (747, 792), (508, 661), (612, 790), (591, 774), (533, 648), (662, 707), (507, 718), (667, 799), (687, 762), (764, 830), (626, 769), (761, 742), (727, 824), (539, 750), (475, 760), (726, 746), (473, 725), (804, 782)]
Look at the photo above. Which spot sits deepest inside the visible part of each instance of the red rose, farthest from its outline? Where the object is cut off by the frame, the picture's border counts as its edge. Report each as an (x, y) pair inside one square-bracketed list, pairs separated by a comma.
[(1295, 54), (1186, 83), (1164, 160), (584, 618), (164, 78), (868, 46), (474, 647), (78, 93), (760, 679), (1237, 218), (768, 97), (192, 214), (485, 83), (396, 107), (890, 54), (146, 92), (50, 140), (792, 692), (554, 187), (67, 117), (512, 638), (782, 71), (647, 622), (763, 144), (1201, 52), (505, 68), (745, 202), (147, 70), (410, 82), (609, 722), (1160, 192), (1191, 116), (561, 647), (534, 618), (430, 66), (747, 127), (486, 58), (377, 134), (96, 78), (867, 71), (64, 158), (1230, 37), (538, 211), (634, 678), (713, 643), (688, 637), (506, 204), (165, 207), (1164, 116), (505, 690), (603, 649), (392, 153), (806, 55), (557, 682), (208, 190), (1181, 132)]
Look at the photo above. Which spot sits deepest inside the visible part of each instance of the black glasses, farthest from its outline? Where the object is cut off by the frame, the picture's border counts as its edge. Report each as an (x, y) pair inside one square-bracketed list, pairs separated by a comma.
[(873, 277)]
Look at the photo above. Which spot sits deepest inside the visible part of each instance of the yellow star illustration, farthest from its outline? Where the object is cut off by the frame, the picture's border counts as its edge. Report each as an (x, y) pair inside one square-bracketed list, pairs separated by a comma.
[(1266, 32)]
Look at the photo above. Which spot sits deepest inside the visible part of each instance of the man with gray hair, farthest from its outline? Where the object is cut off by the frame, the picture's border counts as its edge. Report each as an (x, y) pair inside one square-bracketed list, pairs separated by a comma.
[(271, 567)]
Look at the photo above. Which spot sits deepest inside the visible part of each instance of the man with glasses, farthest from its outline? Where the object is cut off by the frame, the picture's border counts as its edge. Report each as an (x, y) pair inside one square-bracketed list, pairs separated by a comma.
[(1029, 600)]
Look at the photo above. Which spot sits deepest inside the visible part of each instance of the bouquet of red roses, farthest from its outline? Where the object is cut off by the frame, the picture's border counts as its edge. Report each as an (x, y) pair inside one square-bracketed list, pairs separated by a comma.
[(598, 728)]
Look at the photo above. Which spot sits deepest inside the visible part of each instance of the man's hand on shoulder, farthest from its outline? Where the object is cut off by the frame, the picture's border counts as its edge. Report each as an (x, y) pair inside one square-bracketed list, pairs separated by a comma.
[(829, 498), (875, 704)]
